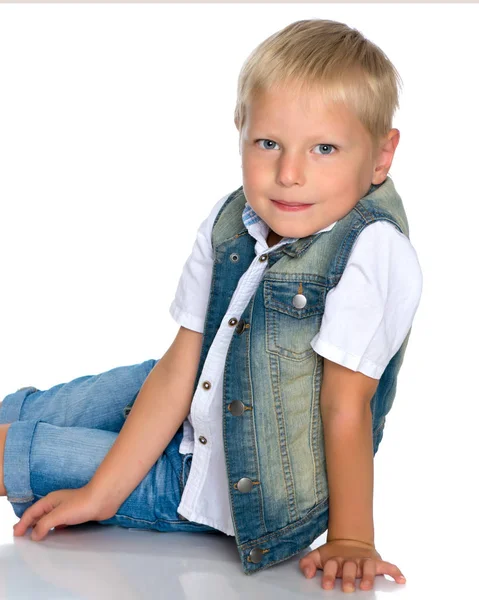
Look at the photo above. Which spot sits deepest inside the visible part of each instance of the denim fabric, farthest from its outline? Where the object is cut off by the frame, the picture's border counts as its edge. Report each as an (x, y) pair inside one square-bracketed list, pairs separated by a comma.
[(274, 448), (58, 438)]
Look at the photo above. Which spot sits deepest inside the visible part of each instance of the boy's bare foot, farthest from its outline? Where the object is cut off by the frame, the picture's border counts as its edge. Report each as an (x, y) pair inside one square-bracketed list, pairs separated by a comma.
[(3, 437)]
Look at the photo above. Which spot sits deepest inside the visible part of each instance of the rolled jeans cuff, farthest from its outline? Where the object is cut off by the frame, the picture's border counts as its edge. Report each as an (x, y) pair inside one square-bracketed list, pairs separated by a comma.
[(12, 404), (16, 461)]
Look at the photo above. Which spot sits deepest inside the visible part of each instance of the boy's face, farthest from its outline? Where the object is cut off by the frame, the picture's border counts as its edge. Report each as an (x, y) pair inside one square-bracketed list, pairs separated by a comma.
[(297, 149)]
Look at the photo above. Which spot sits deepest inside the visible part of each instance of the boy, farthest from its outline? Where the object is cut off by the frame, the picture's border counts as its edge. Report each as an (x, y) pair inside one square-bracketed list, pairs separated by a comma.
[(295, 309)]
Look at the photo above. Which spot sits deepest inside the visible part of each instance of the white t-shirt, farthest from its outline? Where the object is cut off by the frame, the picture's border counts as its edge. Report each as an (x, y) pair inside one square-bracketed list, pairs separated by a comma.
[(376, 299)]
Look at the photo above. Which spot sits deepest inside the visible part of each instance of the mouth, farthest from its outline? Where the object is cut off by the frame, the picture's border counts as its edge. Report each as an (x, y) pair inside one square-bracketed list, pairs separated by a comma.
[(290, 203), (291, 206)]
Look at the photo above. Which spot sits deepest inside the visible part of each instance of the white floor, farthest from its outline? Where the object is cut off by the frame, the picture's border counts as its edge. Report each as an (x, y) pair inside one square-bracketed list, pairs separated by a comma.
[(91, 561)]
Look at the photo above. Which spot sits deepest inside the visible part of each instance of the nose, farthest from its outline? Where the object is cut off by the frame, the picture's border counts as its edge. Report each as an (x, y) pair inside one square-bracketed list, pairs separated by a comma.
[(291, 170)]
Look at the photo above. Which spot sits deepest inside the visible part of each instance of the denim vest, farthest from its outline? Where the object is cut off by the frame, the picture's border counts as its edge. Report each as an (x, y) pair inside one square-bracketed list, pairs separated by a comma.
[(272, 427)]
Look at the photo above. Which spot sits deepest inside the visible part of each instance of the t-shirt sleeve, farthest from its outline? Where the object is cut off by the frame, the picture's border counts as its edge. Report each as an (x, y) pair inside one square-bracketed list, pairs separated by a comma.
[(192, 293), (369, 313)]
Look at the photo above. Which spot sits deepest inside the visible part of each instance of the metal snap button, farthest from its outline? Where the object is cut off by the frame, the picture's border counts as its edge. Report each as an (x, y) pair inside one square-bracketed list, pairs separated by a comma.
[(263, 257), (234, 257), (236, 408), (202, 439), (245, 485), (206, 385), (232, 321), (256, 555), (299, 301)]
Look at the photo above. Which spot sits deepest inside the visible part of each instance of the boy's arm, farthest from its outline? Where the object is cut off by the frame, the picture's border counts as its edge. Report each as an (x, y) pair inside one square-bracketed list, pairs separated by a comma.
[(347, 422), (160, 408)]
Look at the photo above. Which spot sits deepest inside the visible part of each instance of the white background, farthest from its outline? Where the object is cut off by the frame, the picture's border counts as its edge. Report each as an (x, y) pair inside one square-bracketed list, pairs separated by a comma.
[(116, 139)]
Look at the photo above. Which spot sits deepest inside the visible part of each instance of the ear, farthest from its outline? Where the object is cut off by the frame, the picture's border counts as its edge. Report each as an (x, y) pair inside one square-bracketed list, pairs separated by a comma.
[(385, 155)]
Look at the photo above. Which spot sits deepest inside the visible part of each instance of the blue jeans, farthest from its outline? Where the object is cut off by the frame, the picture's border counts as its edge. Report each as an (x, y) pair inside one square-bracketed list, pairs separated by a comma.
[(58, 438)]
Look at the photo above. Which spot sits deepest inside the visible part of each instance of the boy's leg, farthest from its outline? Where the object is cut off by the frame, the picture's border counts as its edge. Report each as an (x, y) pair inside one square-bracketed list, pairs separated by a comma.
[(40, 458), (92, 401)]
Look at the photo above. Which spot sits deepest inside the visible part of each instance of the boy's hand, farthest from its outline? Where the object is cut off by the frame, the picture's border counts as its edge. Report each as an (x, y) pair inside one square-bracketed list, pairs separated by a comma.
[(348, 559), (60, 509)]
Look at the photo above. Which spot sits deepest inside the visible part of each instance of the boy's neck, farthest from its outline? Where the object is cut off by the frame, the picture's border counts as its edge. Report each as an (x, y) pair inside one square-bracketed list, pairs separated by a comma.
[(273, 238)]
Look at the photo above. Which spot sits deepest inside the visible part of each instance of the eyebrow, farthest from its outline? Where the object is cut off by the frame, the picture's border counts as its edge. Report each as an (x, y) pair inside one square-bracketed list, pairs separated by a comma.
[(312, 138)]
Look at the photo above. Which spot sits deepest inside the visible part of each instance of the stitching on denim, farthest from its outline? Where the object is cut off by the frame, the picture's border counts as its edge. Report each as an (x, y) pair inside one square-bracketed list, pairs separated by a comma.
[(253, 421), (120, 516), (227, 202), (314, 426), (226, 384), (22, 499), (283, 445), (272, 325), (312, 516)]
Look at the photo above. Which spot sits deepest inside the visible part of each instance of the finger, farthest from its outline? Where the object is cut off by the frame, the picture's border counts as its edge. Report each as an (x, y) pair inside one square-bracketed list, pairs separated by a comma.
[(387, 568), (350, 569), (43, 526), (16, 528), (330, 570), (369, 573), (31, 516), (307, 566), (310, 563)]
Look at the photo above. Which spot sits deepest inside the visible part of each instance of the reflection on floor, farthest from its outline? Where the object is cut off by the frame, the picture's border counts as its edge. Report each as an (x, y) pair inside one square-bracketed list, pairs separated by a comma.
[(92, 561)]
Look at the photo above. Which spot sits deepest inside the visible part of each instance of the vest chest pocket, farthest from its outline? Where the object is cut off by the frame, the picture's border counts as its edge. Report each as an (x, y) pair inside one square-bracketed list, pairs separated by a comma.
[(293, 313)]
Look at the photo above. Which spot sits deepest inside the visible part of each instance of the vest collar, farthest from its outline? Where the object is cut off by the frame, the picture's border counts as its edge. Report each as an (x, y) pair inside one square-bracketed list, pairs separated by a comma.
[(296, 246)]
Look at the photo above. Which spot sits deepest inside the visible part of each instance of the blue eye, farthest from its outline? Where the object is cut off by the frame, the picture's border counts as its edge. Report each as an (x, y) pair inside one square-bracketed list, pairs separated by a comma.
[(270, 141), (326, 146)]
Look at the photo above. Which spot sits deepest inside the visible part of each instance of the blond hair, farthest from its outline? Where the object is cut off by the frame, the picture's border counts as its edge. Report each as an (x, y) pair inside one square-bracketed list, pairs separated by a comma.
[(329, 57)]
